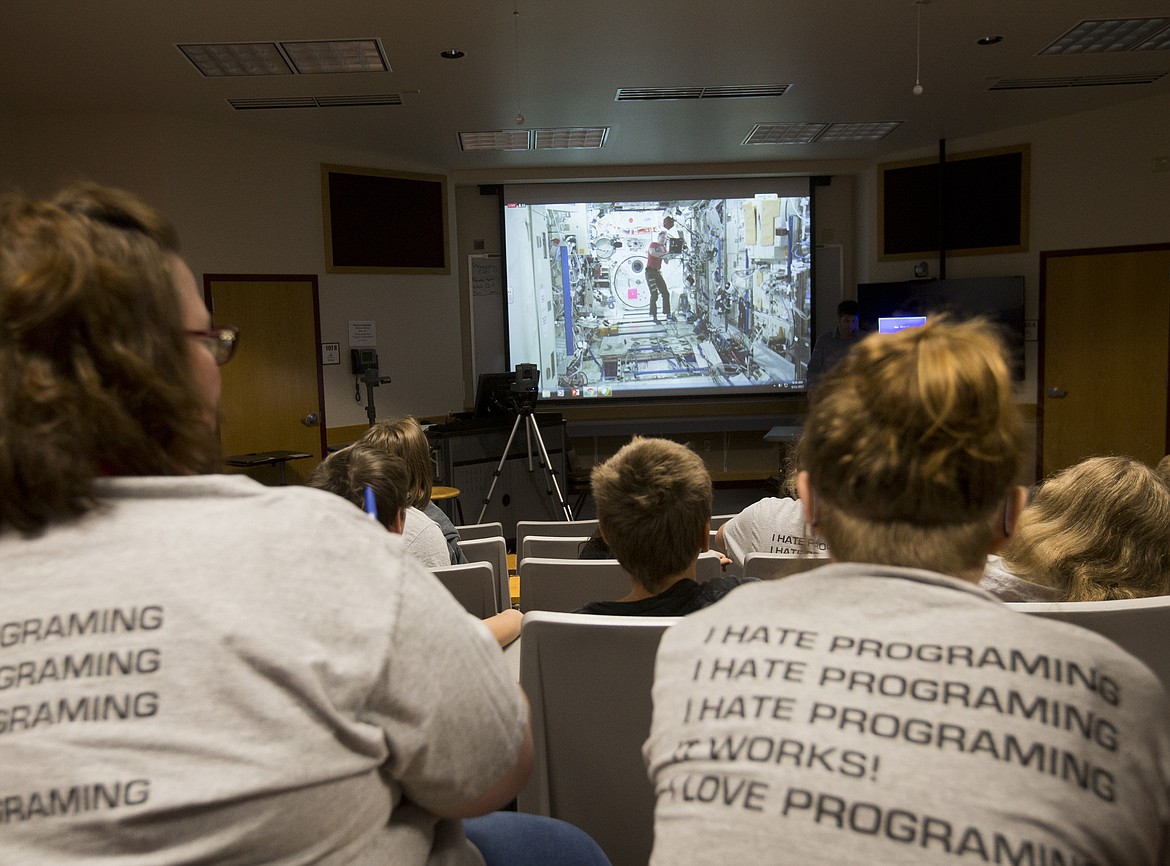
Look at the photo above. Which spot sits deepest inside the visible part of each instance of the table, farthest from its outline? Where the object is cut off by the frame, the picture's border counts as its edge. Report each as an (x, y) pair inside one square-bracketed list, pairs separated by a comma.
[(266, 458)]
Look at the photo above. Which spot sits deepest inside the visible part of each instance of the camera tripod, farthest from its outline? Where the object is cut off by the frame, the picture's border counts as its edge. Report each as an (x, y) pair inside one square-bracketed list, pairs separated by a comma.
[(532, 431)]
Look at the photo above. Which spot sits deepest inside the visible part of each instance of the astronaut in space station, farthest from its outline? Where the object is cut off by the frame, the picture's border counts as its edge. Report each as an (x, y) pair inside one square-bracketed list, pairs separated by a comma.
[(653, 296)]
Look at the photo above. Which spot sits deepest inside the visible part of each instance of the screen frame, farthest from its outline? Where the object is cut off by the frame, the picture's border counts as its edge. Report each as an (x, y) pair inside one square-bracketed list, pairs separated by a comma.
[(578, 192)]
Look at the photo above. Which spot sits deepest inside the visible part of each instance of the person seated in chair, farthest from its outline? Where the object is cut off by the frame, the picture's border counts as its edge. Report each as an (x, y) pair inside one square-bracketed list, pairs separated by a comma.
[(1096, 531), (882, 708), (654, 511), (772, 525), (427, 527), (211, 670), (350, 471)]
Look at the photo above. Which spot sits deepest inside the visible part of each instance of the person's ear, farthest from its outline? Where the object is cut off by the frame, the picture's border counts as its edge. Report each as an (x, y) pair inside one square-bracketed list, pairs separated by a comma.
[(808, 498), (1008, 518), (705, 542), (1015, 502)]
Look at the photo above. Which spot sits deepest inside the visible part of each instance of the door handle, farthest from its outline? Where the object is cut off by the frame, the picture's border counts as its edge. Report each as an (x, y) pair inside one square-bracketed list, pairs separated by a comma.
[(1057, 393), (310, 420)]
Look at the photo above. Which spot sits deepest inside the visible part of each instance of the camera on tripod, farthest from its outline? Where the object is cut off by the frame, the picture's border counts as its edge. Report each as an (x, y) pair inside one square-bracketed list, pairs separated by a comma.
[(522, 393), (523, 390)]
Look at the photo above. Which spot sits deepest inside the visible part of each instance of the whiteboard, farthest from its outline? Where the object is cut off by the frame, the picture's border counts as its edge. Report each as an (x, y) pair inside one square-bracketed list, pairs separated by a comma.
[(486, 291)]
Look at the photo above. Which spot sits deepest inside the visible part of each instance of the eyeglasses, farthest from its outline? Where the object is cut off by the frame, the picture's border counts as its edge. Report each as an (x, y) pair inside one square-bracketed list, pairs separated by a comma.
[(221, 342)]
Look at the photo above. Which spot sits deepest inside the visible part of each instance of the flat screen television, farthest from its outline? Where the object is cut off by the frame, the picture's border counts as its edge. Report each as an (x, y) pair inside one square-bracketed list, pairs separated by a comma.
[(974, 203), (998, 299), (384, 222), (650, 290)]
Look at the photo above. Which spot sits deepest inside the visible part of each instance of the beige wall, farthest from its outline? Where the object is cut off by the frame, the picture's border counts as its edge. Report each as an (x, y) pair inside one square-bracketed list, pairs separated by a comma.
[(1093, 185), (250, 203)]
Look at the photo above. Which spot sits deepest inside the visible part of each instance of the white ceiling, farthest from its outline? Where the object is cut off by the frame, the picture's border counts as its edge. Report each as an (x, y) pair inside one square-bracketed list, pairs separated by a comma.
[(846, 60)]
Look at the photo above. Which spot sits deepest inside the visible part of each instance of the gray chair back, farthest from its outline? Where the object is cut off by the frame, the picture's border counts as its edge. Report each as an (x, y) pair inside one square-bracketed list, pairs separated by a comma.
[(469, 531), (567, 584), (493, 550), (551, 546), (771, 566), (1138, 625), (570, 528), (474, 586), (588, 679)]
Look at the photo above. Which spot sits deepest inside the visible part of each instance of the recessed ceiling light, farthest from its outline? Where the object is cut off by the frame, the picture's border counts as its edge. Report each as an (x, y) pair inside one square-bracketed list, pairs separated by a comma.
[(784, 133), (989, 40), (336, 55), (220, 59), (569, 138), (496, 139), (1101, 36), (452, 54), (807, 133)]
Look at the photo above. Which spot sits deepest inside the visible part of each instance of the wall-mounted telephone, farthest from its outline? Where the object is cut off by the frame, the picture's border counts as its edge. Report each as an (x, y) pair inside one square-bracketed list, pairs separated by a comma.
[(363, 360), (364, 364)]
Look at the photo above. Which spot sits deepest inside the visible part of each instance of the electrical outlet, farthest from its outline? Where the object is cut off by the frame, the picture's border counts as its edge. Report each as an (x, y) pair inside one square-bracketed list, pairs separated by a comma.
[(706, 444), (1162, 163)]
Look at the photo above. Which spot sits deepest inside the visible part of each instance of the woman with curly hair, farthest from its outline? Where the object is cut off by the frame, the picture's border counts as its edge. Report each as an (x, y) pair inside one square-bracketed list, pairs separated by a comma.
[(1096, 531)]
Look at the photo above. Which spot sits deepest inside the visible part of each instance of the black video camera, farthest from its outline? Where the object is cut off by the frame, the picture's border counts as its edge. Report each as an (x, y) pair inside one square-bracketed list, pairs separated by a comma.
[(524, 386)]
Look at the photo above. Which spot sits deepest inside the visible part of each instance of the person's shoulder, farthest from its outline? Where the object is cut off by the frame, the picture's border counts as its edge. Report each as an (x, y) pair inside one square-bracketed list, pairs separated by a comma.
[(224, 495), (770, 510), (425, 540), (1006, 585), (717, 587), (777, 506)]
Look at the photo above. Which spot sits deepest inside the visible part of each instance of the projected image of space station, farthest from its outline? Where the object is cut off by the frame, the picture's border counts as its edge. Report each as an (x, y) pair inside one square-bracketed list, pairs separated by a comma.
[(615, 299)]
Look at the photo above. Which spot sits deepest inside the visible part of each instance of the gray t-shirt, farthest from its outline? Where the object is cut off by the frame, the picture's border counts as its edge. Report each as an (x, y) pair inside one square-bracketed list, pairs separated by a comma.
[(861, 714), (209, 670), (771, 525), (1006, 585), (424, 540)]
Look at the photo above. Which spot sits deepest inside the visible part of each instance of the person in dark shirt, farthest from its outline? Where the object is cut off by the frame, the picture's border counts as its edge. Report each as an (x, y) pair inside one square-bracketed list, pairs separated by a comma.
[(654, 510), (834, 345)]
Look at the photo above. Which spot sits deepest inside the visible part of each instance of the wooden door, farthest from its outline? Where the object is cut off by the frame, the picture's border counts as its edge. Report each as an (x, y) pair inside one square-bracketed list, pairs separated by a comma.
[(1104, 349), (273, 397)]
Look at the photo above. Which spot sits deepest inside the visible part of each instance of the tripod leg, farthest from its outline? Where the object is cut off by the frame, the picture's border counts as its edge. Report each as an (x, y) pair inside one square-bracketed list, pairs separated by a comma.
[(546, 464), (499, 469)]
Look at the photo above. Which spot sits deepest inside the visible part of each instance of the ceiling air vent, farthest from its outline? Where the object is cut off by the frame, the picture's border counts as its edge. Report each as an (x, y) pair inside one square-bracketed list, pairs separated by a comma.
[(273, 102), (746, 91), (1075, 81), (316, 101), (367, 99), (735, 91), (648, 94)]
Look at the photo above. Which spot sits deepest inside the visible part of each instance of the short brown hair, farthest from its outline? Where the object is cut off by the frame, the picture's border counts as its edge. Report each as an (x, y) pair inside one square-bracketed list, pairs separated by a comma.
[(911, 443), (406, 438), (654, 508), (351, 470), (1098, 530), (94, 371)]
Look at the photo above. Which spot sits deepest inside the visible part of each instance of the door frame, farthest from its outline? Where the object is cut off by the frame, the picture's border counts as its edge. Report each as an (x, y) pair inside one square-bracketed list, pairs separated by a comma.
[(208, 279), (1041, 329)]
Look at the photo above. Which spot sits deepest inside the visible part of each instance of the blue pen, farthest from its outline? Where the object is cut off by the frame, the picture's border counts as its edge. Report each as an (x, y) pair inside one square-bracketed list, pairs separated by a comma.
[(371, 507)]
